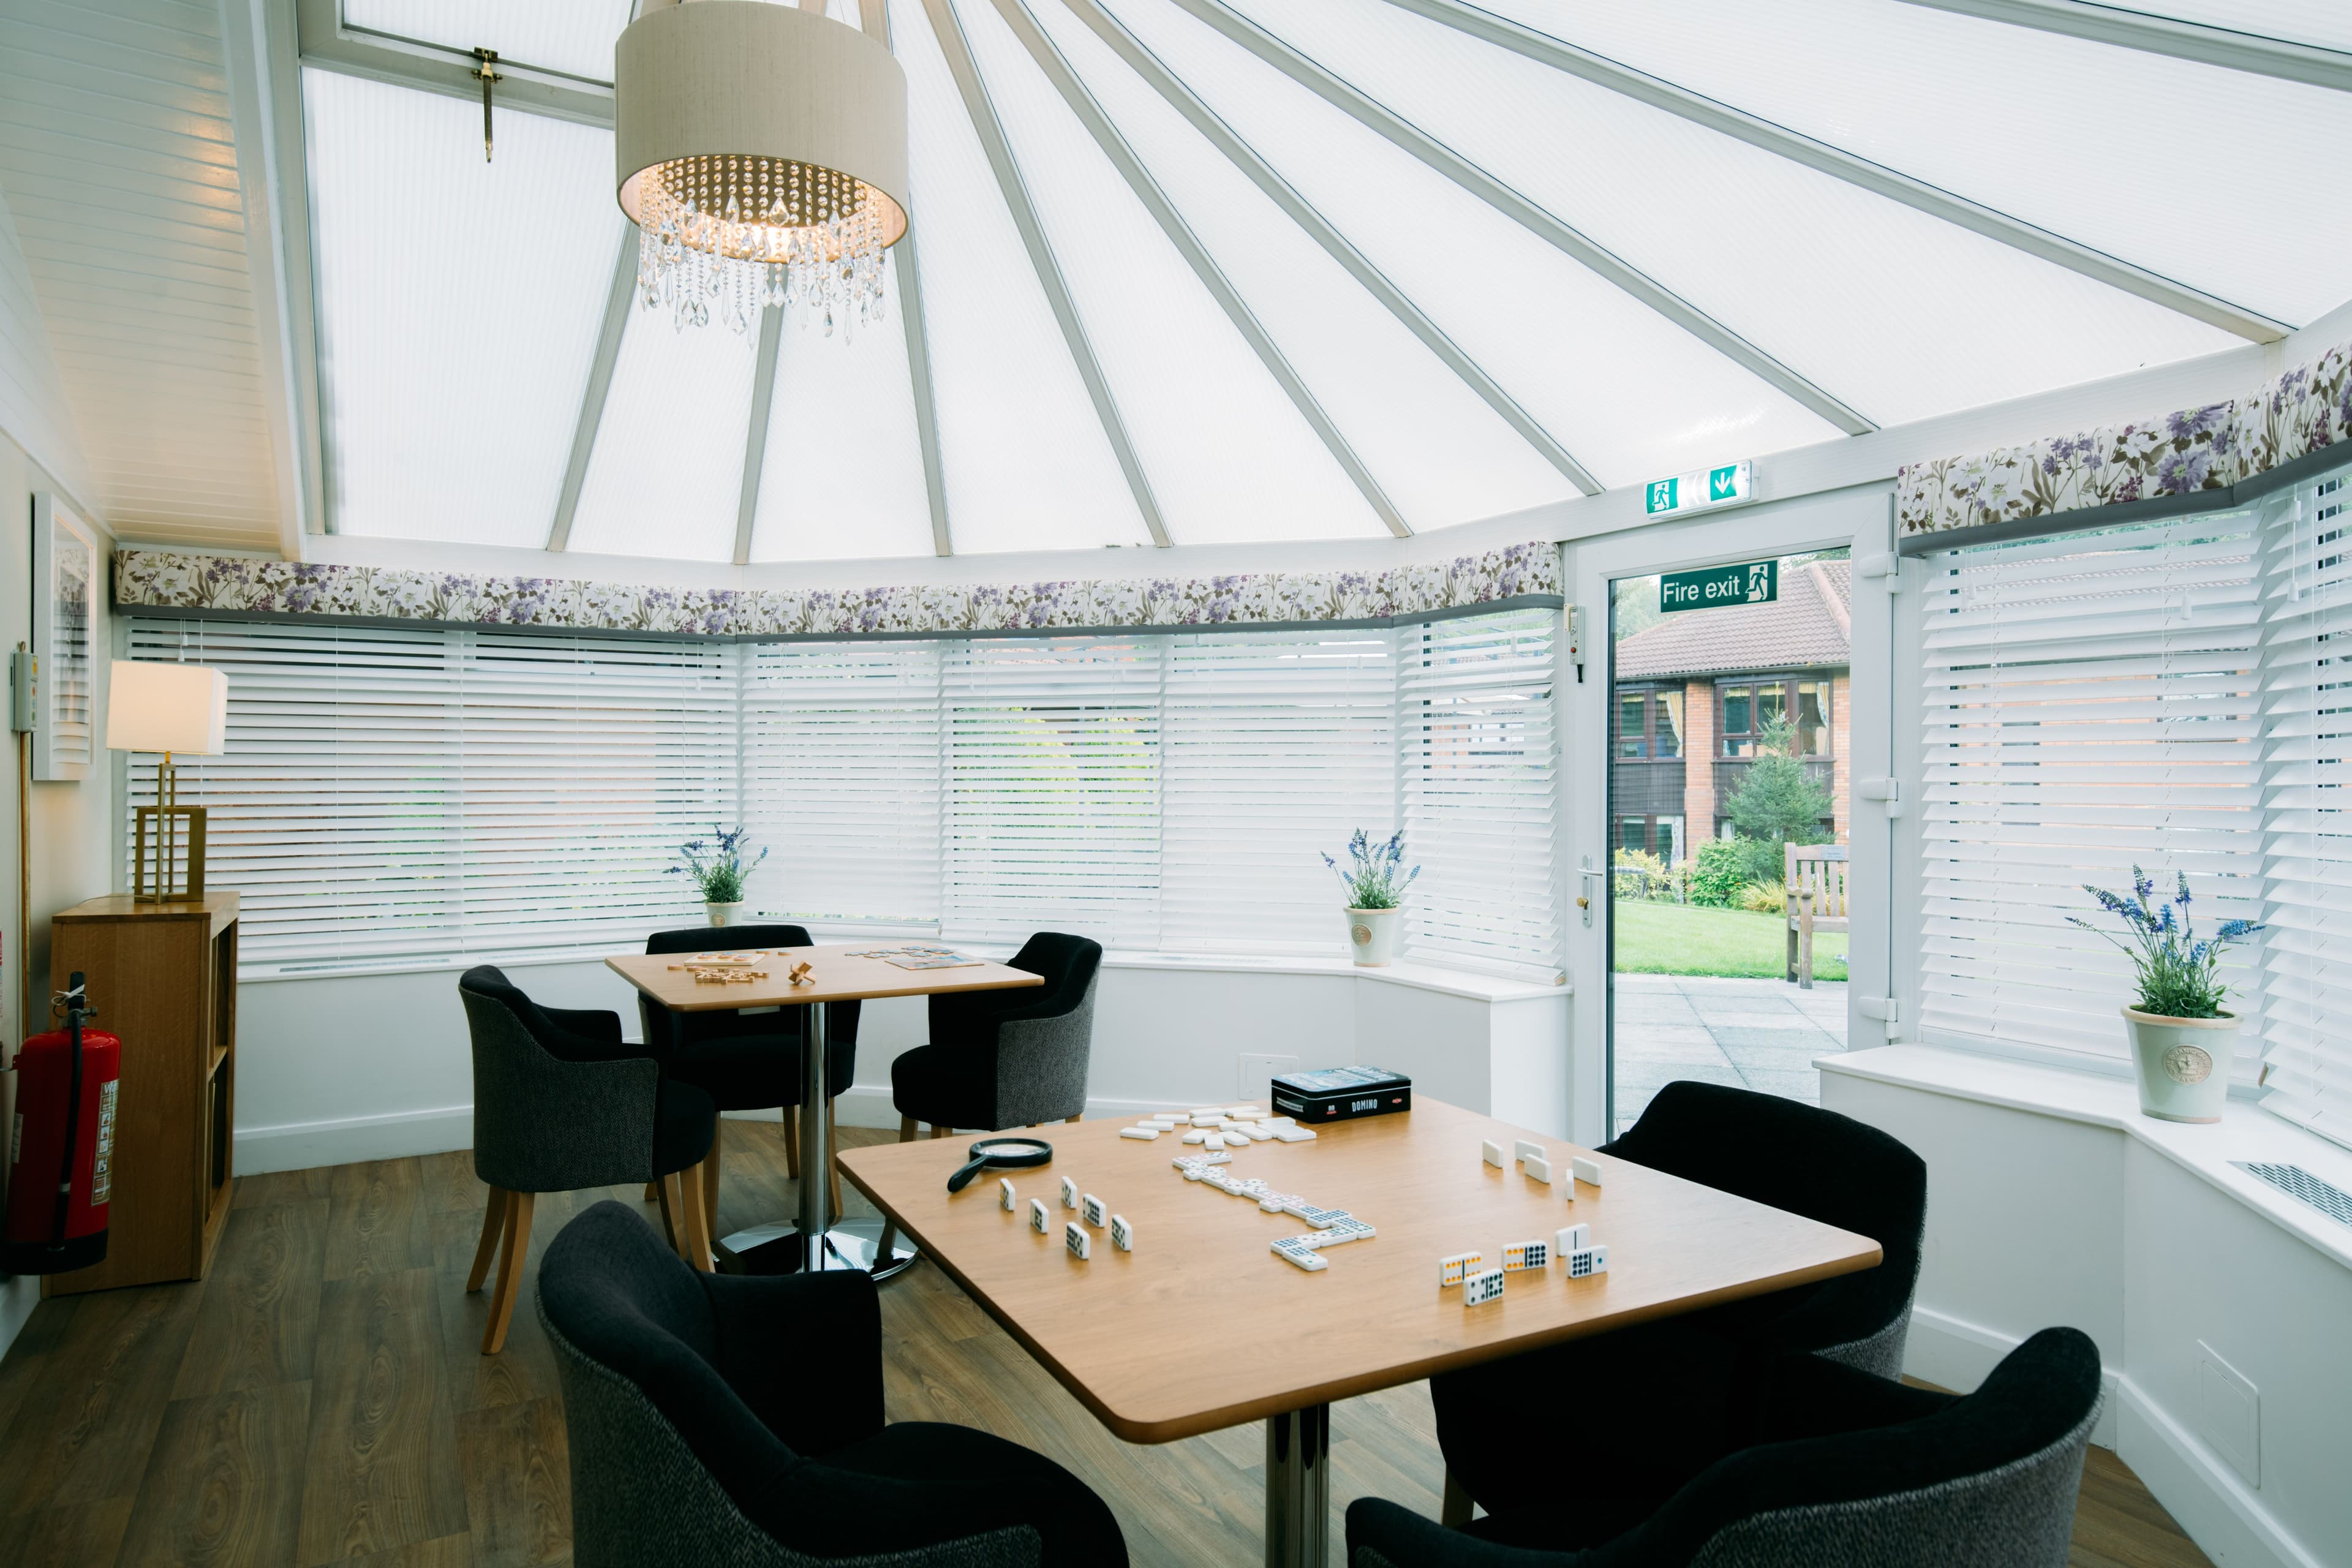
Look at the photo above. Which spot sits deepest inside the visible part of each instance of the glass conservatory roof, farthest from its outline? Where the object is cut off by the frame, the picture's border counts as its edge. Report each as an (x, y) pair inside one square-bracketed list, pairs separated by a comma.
[(1203, 271)]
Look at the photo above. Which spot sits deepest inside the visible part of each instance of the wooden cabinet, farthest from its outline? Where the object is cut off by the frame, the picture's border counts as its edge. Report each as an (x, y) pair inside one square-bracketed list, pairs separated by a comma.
[(163, 977)]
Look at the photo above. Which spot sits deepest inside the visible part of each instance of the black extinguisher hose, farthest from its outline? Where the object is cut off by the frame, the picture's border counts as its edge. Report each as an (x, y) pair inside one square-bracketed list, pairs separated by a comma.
[(73, 1100)]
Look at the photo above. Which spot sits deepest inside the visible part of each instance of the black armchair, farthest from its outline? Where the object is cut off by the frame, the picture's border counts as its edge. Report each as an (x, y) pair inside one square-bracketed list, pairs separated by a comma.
[(1672, 1378), (562, 1102), (716, 1418), (1007, 1059), (1844, 1470), (749, 1061)]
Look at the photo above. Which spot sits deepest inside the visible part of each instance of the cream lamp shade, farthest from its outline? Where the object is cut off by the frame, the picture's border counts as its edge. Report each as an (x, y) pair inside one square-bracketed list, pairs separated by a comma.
[(177, 708)]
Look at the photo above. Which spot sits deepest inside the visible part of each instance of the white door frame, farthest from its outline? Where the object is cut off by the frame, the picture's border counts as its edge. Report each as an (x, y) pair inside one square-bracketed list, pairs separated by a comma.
[(1859, 518)]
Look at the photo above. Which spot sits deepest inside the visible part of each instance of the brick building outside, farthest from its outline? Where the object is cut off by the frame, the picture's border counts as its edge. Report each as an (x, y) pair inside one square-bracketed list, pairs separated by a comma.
[(1695, 693)]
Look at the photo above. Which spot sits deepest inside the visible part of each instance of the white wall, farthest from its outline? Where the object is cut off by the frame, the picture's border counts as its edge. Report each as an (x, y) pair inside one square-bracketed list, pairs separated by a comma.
[(2142, 1235), (368, 1066), (71, 838)]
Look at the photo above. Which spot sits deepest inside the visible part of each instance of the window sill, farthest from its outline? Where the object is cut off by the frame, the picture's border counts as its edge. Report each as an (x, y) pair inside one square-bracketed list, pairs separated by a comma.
[(2244, 1133), (1441, 978)]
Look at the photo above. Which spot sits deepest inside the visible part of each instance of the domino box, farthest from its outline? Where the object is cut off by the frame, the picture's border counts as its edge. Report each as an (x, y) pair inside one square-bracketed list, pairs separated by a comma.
[(1341, 1094)]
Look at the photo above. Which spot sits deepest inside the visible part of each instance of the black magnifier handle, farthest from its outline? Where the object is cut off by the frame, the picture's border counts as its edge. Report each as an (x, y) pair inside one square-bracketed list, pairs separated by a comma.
[(963, 1178)]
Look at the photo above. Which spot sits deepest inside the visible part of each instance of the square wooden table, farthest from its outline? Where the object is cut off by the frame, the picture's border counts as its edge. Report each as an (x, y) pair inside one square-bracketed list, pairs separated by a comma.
[(1202, 1327), (836, 974)]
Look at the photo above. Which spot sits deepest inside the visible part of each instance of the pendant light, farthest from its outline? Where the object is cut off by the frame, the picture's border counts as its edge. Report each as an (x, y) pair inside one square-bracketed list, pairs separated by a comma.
[(761, 152)]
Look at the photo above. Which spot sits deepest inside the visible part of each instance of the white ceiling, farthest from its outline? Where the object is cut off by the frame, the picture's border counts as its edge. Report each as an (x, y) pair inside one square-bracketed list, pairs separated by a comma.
[(1417, 278)]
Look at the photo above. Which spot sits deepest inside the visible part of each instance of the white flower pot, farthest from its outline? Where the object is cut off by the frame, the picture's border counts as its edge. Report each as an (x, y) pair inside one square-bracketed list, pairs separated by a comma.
[(2183, 1064), (1372, 936), (725, 914)]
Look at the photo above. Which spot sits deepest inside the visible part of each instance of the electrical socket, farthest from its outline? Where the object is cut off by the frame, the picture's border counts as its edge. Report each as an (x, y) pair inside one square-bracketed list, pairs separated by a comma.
[(1250, 1078)]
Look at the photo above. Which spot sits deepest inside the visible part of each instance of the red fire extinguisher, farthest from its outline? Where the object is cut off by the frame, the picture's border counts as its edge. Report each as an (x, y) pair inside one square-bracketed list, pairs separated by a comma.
[(61, 1150)]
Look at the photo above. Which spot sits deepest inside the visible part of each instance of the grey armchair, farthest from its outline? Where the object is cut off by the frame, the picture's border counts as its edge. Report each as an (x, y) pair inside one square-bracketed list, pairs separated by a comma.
[(562, 1102), (1007, 1059)]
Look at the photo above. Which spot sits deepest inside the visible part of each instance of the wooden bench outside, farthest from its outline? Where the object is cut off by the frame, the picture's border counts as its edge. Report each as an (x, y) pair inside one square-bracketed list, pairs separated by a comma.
[(1815, 875)]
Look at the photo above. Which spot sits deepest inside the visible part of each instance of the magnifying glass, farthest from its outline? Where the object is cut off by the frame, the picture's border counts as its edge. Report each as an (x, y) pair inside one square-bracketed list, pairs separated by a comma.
[(1004, 1154)]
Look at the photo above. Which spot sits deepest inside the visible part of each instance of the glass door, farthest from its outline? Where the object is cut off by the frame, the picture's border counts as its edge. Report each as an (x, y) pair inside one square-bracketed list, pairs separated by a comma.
[(1711, 803)]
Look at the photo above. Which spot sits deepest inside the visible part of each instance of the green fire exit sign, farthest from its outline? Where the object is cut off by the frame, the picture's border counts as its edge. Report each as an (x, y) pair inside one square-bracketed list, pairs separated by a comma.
[(1712, 587), (1726, 486)]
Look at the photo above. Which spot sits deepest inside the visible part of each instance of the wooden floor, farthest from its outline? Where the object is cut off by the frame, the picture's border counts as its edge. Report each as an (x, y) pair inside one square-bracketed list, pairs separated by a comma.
[(320, 1399)]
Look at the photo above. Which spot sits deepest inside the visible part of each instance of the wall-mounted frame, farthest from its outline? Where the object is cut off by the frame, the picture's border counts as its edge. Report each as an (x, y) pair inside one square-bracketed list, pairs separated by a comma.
[(65, 611)]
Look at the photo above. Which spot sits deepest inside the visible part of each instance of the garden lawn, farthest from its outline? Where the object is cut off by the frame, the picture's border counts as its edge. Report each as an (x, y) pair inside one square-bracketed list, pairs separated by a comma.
[(1684, 939)]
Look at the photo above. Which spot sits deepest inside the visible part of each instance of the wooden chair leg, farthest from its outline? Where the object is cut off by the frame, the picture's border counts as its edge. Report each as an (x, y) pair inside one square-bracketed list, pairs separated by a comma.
[(792, 1141), (652, 1193), (1454, 1513), (494, 1224), (939, 1132), (661, 1186), (906, 1129), (511, 1256), (831, 1161), (675, 1187), (711, 1178), (1081, 1116), (697, 1224)]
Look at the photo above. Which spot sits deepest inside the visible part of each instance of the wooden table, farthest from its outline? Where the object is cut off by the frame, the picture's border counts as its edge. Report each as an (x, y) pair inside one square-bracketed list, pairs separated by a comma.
[(1202, 1327), (815, 1240)]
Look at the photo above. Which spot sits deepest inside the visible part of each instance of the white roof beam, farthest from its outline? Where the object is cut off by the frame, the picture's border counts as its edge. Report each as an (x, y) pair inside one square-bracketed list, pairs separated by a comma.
[(1204, 266), (1839, 164), (2225, 46), (1341, 249), (600, 382), (1041, 256), (875, 16), (1538, 220), (755, 431)]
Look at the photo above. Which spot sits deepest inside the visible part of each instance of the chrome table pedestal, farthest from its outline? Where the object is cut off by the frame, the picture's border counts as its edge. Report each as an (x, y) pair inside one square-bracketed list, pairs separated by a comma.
[(1299, 1487), (817, 1240)]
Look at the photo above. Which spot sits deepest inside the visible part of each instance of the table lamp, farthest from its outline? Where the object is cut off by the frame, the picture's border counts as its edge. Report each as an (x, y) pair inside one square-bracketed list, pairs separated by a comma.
[(172, 708)]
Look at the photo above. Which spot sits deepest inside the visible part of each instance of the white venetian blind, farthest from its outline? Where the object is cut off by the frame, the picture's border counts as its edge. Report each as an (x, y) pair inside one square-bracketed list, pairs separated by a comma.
[(841, 779), (426, 791), (2091, 702), (1479, 760), (1052, 788), (1274, 747), (2307, 955)]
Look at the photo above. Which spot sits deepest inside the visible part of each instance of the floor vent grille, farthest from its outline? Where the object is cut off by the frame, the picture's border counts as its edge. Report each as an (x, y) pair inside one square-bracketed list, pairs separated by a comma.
[(2297, 1182)]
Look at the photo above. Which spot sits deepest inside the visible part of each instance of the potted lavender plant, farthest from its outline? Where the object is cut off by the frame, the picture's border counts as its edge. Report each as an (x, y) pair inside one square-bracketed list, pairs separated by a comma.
[(719, 869), (2180, 1032), (1375, 896)]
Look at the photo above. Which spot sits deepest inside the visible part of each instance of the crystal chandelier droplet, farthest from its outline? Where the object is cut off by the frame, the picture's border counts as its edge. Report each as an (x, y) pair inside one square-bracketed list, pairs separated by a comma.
[(729, 236)]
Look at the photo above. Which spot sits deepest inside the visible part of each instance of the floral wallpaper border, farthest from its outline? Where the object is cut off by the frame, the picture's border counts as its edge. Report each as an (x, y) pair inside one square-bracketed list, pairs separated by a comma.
[(2305, 411), (156, 579)]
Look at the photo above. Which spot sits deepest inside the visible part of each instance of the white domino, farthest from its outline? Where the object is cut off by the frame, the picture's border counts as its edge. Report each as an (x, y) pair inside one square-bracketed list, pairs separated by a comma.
[(1306, 1257), (1246, 1112), (1572, 1239), (1122, 1234), (1215, 1111), (1141, 1135), (1197, 1137), (1586, 1171), (1004, 1186), (1493, 1152), (1039, 1221), (1074, 1236), (1460, 1267), (1526, 1149), (1586, 1262), (1537, 1169), (1091, 1209), (1250, 1130), (1519, 1255), (1215, 1140), (1294, 1134), (1281, 1122), (1480, 1288), (1069, 1194)]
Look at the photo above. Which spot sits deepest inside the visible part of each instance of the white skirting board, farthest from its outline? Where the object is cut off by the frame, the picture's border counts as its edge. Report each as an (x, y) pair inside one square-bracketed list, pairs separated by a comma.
[(2198, 1487)]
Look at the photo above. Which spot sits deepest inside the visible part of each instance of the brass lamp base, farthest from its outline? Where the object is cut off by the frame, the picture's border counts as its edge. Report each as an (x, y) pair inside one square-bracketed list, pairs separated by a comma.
[(174, 825)]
